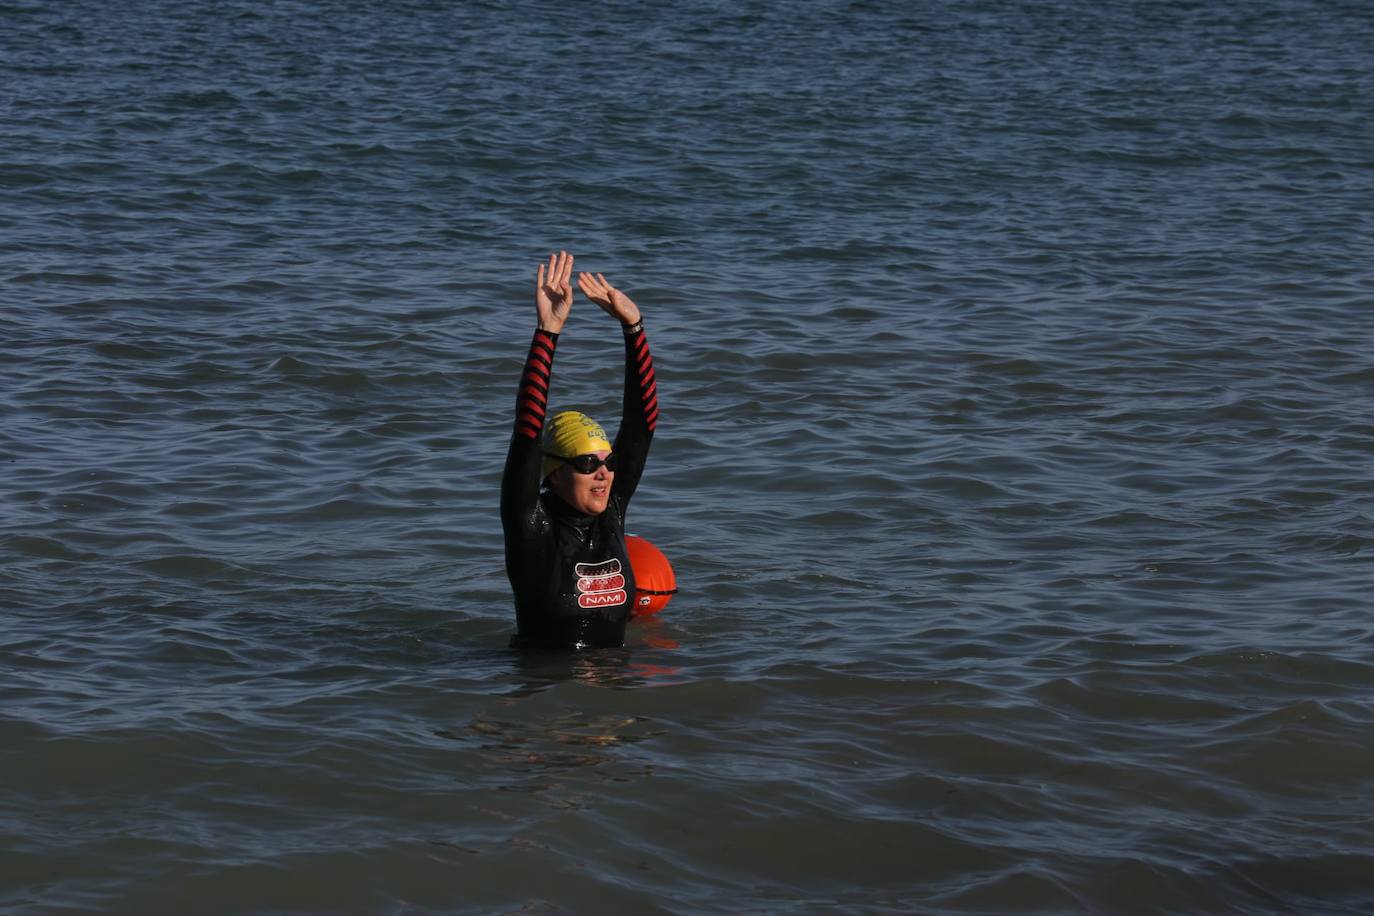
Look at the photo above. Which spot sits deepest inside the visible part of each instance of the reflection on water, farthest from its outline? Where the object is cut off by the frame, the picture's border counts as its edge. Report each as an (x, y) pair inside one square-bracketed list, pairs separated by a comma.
[(647, 663)]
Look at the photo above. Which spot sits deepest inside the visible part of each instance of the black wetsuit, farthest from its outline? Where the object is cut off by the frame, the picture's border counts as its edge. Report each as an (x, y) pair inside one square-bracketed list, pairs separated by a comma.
[(572, 579)]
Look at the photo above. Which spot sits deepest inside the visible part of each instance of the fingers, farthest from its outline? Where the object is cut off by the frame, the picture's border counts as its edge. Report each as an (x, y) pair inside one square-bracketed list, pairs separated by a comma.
[(557, 272), (595, 287), (560, 269), (539, 281), (608, 290)]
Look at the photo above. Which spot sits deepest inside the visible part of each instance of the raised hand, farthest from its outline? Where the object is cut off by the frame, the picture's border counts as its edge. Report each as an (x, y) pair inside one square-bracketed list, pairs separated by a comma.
[(612, 301), (553, 292)]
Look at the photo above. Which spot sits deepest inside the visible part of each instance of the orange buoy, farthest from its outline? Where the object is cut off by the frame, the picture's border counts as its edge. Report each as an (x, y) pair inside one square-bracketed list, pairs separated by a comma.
[(655, 583)]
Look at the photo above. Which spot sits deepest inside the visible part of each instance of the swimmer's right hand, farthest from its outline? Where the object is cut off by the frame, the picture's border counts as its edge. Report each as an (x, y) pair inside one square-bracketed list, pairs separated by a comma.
[(553, 292)]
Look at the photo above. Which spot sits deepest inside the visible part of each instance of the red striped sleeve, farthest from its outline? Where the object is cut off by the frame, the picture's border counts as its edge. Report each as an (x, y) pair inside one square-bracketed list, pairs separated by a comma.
[(643, 362), (533, 400)]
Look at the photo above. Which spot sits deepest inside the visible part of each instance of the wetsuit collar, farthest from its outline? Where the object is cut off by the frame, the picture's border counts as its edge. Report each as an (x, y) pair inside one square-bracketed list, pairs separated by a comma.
[(563, 510)]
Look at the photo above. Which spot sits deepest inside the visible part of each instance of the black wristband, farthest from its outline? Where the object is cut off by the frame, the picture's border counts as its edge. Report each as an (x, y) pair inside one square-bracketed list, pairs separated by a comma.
[(632, 329)]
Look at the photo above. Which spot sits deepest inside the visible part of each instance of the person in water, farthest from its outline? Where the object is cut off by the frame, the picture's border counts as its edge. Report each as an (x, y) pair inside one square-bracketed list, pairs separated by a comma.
[(566, 486)]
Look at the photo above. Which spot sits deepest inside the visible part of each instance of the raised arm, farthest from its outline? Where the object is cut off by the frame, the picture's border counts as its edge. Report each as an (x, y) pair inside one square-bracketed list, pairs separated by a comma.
[(639, 406), (520, 481)]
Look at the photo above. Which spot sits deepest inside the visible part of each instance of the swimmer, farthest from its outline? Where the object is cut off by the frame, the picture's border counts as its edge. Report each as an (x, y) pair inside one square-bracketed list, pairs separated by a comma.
[(566, 486)]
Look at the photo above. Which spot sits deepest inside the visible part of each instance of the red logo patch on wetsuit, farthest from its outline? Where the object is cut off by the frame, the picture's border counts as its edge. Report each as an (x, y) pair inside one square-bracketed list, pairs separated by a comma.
[(600, 584)]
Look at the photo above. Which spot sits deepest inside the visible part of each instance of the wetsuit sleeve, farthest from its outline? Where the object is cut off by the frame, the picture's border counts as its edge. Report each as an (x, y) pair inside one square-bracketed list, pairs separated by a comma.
[(520, 481), (638, 414)]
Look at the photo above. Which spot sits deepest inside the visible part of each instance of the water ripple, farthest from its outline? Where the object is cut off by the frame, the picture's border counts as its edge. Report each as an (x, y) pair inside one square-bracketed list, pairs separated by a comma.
[(1014, 457)]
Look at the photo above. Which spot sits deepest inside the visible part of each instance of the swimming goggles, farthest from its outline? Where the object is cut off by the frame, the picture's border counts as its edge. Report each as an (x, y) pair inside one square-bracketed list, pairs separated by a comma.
[(588, 464)]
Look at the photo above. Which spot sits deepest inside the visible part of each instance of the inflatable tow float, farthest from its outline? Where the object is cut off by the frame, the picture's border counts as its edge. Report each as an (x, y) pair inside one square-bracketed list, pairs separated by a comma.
[(655, 583)]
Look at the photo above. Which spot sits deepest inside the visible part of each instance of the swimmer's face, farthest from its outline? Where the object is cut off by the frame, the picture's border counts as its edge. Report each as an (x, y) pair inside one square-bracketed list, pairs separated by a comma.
[(587, 493)]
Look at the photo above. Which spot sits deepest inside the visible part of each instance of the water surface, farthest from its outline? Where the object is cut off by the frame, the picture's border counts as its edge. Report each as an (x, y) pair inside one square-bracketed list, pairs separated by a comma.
[(1014, 458)]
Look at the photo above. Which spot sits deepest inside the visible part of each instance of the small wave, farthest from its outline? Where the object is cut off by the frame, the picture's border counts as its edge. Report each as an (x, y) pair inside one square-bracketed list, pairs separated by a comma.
[(187, 566), (200, 100), (44, 548), (963, 487), (18, 175), (81, 279)]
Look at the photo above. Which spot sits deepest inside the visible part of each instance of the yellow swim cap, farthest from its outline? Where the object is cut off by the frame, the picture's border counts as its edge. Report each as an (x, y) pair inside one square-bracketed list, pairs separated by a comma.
[(569, 434)]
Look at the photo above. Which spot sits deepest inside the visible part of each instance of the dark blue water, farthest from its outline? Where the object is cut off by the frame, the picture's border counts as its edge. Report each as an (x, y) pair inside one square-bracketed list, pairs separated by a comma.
[(1015, 457)]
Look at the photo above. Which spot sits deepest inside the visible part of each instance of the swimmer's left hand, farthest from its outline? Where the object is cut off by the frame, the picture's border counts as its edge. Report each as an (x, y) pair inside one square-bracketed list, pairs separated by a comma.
[(611, 300)]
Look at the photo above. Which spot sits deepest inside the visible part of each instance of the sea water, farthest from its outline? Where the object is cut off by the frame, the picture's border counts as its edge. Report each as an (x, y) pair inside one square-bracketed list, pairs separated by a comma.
[(1014, 460)]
